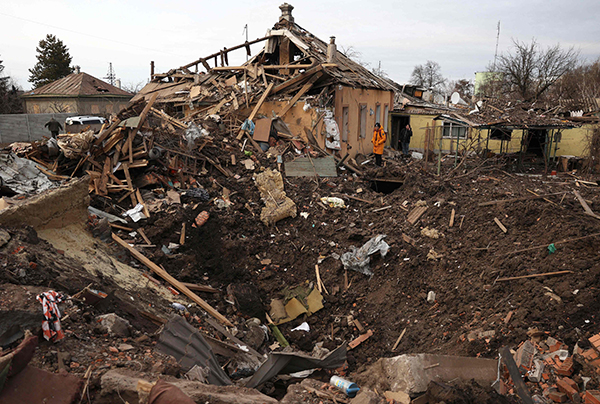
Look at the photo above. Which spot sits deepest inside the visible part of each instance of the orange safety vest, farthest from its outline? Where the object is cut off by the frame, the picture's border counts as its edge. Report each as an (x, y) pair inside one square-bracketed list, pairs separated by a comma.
[(379, 138)]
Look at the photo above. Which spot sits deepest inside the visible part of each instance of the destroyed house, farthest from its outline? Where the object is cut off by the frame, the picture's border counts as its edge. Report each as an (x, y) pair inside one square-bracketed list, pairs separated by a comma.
[(321, 95), (538, 131), (78, 93)]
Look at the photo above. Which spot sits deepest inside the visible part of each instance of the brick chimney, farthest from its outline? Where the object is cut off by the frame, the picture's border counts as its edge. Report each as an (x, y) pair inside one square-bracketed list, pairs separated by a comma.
[(286, 12), (77, 69), (331, 50)]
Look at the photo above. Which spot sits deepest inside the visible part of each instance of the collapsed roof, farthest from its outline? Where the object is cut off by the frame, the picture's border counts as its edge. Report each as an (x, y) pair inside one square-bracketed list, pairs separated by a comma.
[(291, 58)]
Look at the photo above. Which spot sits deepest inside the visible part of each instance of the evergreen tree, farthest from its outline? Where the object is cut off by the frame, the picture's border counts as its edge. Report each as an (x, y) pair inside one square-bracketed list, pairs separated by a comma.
[(9, 95), (54, 62)]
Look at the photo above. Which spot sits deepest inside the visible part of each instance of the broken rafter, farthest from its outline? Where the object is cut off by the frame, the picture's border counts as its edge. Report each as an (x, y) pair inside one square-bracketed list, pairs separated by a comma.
[(525, 198), (300, 93), (256, 108), (244, 45)]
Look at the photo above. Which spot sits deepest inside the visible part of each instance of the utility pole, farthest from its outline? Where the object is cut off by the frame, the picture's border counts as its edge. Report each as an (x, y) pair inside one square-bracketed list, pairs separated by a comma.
[(111, 76)]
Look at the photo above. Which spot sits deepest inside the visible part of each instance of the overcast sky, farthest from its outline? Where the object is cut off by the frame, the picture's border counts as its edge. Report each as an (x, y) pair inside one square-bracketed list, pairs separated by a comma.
[(459, 35)]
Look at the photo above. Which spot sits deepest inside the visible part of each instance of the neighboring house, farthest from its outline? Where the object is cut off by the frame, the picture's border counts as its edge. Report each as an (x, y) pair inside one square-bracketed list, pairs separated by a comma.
[(77, 93), (537, 129), (322, 82)]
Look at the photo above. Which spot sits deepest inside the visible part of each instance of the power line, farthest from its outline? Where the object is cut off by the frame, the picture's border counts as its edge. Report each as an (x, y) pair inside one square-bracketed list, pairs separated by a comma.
[(83, 33)]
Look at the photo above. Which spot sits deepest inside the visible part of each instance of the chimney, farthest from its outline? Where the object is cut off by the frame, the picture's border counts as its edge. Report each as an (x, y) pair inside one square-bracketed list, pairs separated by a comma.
[(118, 83), (77, 69), (286, 12), (331, 50)]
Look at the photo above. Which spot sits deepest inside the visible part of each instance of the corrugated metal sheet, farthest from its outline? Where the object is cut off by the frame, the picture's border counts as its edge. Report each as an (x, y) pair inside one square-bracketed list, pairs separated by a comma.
[(189, 348), (78, 84)]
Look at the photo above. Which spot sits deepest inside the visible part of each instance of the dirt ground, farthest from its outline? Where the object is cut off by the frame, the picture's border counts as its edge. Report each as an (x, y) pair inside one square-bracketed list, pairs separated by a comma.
[(464, 265)]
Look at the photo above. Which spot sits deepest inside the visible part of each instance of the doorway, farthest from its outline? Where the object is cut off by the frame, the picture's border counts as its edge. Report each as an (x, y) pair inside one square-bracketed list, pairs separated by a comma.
[(537, 141), (398, 122)]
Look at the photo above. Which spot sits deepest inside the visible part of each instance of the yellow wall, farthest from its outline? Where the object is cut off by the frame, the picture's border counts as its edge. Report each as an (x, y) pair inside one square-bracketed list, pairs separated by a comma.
[(573, 141)]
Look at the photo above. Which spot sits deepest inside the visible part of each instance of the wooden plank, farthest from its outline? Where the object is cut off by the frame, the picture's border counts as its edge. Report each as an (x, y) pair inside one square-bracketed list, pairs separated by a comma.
[(300, 93), (416, 214), (512, 278), (499, 223), (238, 342), (125, 167), (143, 234), (174, 282), (452, 218), (200, 288), (354, 198), (182, 236), (140, 123), (356, 342), (104, 178), (585, 206), (118, 226), (297, 79), (141, 200), (105, 133), (302, 167), (168, 118), (398, 340), (262, 130), (257, 107), (525, 198)]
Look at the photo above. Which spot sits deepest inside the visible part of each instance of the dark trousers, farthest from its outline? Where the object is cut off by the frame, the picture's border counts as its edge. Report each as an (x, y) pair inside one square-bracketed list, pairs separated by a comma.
[(54, 133), (405, 148), (378, 160)]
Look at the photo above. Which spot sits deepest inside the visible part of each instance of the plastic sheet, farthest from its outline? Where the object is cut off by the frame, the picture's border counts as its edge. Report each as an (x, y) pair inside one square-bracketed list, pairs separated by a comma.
[(358, 259)]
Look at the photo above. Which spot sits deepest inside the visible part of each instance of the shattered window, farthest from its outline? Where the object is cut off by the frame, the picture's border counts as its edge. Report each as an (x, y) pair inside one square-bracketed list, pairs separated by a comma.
[(500, 134)]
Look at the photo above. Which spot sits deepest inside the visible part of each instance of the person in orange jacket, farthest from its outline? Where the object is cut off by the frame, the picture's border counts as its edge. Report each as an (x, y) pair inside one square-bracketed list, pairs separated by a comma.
[(379, 138)]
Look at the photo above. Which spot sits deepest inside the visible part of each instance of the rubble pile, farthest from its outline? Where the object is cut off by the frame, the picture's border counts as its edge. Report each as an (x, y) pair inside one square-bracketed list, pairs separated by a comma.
[(213, 254)]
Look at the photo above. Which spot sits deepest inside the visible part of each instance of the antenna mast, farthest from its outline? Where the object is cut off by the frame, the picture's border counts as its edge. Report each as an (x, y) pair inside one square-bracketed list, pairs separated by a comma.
[(111, 76), (497, 41)]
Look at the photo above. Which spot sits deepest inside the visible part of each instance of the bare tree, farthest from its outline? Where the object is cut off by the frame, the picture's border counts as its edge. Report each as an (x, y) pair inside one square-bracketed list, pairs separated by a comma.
[(579, 83), (351, 53), (463, 87), (530, 70), (132, 87), (378, 71), (428, 76)]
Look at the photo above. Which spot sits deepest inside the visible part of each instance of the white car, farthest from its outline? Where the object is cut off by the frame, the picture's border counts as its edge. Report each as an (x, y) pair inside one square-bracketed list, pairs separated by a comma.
[(75, 124)]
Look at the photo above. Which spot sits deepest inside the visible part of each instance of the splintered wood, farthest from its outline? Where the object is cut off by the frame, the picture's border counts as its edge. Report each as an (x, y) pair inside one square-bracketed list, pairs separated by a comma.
[(416, 214), (499, 223), (356, 342)]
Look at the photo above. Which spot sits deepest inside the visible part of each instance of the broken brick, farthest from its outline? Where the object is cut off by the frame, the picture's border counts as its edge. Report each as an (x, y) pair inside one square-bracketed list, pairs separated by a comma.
[(592, 397), (566, 368), (566, 388), (557, 397)]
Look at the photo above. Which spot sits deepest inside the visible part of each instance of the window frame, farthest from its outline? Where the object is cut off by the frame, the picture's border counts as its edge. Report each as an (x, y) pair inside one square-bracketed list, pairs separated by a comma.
[(451, 126)]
